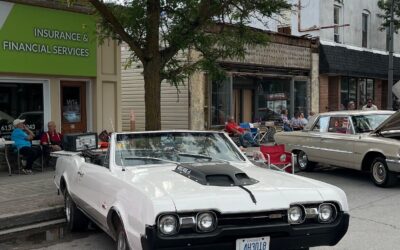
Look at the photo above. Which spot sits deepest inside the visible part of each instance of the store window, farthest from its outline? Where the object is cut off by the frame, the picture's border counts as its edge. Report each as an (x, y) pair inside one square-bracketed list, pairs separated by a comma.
[(357, 90), (273, 97), (23, 101), (221, 101)]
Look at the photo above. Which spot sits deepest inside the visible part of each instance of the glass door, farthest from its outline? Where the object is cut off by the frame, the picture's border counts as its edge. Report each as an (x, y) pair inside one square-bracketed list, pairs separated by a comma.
[(73, 107)]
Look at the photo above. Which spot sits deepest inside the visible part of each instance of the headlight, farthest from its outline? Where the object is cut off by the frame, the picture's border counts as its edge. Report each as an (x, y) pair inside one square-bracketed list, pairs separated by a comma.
[(206, 222), (296, 214), (327, 213), (168, 224)]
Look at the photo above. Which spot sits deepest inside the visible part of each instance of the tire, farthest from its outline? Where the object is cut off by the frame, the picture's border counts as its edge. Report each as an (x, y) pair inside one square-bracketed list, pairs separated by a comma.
[(122, 240), (380, 174), (76, 220), (302, 162)]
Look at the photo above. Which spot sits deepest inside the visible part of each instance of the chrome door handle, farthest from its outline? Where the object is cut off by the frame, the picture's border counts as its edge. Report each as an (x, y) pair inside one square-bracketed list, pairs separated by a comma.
[(80, 173)]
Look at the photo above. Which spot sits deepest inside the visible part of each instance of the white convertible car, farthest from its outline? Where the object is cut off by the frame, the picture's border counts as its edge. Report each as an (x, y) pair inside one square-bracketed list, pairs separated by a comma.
[(195, 190)]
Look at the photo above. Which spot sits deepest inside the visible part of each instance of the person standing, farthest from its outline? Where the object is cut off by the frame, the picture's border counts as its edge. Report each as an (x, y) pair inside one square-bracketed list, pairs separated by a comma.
[(22, 137), (370, 105), (285, 120)]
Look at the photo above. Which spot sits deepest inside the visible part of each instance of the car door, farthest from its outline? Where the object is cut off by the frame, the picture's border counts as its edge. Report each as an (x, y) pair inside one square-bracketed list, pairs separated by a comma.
[(337, 144), (97, 188), (311, 142)]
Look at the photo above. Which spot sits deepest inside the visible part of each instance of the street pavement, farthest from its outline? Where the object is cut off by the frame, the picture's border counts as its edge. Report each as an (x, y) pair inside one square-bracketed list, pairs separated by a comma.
[(374, 222)]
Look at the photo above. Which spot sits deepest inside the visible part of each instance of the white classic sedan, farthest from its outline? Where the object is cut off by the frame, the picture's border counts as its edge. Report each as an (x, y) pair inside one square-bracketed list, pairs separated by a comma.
[(362, 140), (195, 190)]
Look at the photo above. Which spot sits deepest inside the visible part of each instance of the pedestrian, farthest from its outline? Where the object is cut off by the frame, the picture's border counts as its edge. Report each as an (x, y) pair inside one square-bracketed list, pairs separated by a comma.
[(285, 120), (22, 137), (370, 105), (351, 105)]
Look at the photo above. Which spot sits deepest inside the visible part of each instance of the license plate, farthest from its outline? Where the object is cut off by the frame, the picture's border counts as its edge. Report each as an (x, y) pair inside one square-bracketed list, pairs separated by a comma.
[(261, 243)]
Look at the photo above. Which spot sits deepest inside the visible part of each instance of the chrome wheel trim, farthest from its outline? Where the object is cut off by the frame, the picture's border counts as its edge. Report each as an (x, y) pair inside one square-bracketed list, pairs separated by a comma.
[(121, 243), (68, 208), (302, 160), (379, 172)]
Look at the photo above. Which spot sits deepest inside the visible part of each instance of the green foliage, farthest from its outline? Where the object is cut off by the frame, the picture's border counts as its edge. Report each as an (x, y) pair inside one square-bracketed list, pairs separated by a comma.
[(215, 28), (385, 5)]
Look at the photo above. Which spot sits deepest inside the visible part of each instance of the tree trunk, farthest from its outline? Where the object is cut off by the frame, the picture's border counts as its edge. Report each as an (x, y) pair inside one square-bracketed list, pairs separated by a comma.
[(152, 95)]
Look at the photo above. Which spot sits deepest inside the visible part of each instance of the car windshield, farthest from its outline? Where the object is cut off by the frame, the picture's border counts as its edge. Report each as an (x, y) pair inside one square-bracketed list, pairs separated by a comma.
[(173, 147), (367, 123)]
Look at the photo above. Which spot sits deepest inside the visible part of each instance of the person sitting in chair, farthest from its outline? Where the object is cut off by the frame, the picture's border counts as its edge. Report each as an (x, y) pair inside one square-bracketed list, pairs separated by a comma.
[(51, 139), (22, 137), (233, 128)]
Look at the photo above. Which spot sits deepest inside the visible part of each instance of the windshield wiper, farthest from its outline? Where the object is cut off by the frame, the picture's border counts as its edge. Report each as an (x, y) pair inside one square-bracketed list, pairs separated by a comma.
[(148, 158), (201, 156)]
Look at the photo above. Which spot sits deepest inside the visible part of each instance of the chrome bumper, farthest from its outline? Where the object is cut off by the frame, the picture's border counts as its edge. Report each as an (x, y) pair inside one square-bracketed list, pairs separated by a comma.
[(393, 164)]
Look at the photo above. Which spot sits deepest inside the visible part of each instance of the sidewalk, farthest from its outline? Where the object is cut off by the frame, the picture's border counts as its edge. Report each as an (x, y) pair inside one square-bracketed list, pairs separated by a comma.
[(25, 193), (29, 205)]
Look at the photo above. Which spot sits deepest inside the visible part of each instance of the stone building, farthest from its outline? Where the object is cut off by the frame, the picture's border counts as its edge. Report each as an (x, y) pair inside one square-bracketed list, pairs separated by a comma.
[(280, 75)]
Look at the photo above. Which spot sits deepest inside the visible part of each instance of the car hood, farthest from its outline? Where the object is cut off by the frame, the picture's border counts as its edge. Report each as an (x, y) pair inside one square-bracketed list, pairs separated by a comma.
[(391, 124), (274, 190)]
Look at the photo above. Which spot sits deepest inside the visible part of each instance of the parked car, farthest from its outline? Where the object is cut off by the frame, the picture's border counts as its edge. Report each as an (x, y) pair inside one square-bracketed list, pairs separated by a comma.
[(362, 140), (195, 190)]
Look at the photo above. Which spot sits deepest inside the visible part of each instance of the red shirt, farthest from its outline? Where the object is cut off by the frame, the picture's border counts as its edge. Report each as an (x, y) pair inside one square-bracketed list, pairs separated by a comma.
[(231, 128), (51, 138)]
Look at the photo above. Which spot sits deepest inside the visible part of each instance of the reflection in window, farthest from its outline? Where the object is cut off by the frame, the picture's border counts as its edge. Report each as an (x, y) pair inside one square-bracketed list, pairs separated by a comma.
[(340, 125), (221, 102), (321, 125), (23, 101), (273, 97)]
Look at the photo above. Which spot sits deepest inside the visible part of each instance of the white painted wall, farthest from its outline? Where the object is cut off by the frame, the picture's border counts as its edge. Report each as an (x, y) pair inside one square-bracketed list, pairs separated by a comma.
[(319, 13)]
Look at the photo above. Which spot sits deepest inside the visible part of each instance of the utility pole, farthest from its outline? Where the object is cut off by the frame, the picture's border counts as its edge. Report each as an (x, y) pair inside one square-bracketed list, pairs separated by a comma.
[(390, 71)]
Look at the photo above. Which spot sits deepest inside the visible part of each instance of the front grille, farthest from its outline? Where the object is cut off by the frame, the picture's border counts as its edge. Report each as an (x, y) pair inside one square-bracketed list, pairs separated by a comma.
[(252, 219)]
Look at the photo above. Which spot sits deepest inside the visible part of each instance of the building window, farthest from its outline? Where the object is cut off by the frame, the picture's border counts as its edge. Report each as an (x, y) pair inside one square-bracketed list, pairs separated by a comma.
[(221, 101), (273, 97), (23, 101), (356, 90), (336, 22), (365, 26)]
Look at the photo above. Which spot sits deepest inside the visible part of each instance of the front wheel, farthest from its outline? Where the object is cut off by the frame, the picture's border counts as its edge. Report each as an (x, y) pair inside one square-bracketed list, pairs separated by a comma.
[(303, 163), (380, 174), (76, 220)]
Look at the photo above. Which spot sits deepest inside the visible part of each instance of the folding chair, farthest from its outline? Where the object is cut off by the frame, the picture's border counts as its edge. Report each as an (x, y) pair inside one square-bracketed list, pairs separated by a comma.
[(277, 158), (255, 132)]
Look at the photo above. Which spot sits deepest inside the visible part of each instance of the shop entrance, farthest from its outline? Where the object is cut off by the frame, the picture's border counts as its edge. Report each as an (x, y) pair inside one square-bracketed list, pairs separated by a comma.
[(73, 107)]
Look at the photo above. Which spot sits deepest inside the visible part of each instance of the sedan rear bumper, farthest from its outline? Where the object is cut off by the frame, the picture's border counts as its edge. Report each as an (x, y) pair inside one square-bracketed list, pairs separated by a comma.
[(283, 236)]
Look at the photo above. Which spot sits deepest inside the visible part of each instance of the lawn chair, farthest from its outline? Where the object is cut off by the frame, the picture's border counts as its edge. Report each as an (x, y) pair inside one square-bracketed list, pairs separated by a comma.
[(255, 132), (277, 158)]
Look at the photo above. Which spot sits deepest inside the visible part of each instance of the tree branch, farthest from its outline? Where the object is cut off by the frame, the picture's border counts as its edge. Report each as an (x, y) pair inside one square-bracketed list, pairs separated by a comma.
[(112, 20)]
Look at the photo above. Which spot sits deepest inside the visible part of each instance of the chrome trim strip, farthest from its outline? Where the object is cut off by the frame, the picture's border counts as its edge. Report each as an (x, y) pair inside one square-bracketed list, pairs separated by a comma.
[(393, 164), (325, 149)]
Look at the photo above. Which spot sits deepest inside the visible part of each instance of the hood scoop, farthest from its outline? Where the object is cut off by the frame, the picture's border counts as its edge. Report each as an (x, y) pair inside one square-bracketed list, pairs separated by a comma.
[(215, 174)]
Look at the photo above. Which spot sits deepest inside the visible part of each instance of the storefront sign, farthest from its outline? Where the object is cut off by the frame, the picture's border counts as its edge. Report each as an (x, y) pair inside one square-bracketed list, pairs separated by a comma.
[(46, 41)]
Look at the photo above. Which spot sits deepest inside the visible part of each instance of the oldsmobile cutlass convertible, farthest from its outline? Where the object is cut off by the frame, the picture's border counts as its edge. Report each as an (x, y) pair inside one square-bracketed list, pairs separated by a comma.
[(195, 190), (362, 140)]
